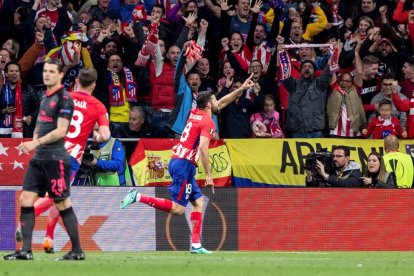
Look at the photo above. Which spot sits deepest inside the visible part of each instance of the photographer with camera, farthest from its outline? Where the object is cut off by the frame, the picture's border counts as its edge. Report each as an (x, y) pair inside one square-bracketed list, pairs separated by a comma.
[(103, 164), (324, 169)]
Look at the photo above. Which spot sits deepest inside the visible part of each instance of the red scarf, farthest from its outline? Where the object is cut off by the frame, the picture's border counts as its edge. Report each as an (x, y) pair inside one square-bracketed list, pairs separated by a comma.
[(115, 88), (17, 129)]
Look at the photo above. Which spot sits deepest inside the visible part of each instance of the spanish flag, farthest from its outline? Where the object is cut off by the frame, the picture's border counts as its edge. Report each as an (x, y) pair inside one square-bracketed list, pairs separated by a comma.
[(150, 160)]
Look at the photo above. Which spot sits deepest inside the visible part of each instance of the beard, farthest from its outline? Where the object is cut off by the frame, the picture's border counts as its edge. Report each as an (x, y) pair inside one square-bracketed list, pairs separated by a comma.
[(215, 111)]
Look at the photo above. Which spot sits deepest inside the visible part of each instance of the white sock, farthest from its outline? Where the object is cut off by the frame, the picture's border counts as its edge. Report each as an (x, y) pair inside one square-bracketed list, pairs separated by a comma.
[(196, 245)]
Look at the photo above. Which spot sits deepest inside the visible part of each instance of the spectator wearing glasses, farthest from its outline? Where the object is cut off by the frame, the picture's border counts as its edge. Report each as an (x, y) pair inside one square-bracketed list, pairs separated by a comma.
[(116, 89), (346, 173)]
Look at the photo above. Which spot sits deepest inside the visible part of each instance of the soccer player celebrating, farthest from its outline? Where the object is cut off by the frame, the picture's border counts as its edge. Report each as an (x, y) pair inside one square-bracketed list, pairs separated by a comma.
[(48, 170), (88, 111), (194, 142)]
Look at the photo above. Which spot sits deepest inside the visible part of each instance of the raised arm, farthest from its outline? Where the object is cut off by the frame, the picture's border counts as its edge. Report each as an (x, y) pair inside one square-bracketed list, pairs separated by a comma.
[(223, 102)]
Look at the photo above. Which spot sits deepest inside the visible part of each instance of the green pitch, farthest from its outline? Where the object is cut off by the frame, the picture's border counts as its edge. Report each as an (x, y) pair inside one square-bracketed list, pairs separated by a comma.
[(219, 263)]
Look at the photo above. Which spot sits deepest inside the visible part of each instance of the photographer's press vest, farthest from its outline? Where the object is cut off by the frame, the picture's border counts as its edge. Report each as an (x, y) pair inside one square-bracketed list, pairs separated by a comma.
[(110, 178)]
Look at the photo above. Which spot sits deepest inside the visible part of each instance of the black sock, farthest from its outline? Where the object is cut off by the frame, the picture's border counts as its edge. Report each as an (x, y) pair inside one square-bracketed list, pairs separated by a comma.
[(71, 224), (27, 222)]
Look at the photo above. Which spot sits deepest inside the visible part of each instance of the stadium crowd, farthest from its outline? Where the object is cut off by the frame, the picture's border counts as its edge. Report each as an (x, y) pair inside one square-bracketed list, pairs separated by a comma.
[(351, 73)]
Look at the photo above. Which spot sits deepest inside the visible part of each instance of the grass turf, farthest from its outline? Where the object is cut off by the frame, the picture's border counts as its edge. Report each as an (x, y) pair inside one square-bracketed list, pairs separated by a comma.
[(219, 263)]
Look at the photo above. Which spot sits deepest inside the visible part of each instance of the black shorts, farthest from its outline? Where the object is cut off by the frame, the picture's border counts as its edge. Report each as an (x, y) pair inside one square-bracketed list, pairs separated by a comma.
[(50, 176)]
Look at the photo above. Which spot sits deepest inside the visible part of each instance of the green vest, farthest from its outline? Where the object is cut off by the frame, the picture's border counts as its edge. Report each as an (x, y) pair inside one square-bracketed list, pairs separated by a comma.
[(402, 165), (109, 178)]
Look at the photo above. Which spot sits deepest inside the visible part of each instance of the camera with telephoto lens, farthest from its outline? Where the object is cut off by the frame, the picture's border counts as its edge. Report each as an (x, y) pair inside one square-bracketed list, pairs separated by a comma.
[(322, 155), (87, 153)]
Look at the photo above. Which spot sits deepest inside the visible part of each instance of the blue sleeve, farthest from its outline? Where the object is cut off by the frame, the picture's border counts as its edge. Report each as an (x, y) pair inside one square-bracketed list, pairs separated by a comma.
[(149, 4), (215, 119), (114, 4), (117, 162)]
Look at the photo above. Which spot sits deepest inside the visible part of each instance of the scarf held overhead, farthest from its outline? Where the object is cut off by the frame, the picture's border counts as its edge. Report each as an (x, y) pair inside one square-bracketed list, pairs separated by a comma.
[(116, 95)]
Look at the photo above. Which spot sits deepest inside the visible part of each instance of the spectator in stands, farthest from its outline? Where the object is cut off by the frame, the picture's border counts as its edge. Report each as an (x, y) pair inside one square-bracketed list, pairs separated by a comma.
[(94, 28), (56, 13), (12, 46), (371, 80), (306, 110), (384, 124), (183, 8), (386, 93), (369, 8), (237, 53), (257, 42), (240, 21), (407, 85), (137, 126), (265, 124), (18, 103), (407, 106), (352, 39), (401, 164), (187, 87), (99, 11), (162, 92), (376, 176), (203, 68), (5, 57), (166, 31), (346, 173), (346, 115), (235, 117), (386, 45), (121, 92), (226, 71)]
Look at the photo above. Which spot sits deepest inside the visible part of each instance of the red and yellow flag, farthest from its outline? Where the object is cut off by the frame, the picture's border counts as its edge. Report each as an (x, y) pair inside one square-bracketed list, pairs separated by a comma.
[(150, 160)]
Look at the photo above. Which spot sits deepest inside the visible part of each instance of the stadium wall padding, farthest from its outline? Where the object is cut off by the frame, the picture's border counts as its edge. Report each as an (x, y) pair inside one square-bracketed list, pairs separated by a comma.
[(283, 219)]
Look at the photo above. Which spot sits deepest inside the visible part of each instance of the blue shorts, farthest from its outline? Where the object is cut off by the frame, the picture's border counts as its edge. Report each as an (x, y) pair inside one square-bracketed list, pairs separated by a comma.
[(183, 188)]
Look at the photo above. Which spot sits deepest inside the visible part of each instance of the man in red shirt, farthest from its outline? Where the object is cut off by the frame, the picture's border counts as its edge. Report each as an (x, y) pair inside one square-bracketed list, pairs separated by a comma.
[(193, 144), (407, 85), (405, 105)]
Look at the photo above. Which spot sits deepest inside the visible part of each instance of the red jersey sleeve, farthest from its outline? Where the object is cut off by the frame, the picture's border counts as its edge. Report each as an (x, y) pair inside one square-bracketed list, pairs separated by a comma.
[(102, 115), (208, 128)]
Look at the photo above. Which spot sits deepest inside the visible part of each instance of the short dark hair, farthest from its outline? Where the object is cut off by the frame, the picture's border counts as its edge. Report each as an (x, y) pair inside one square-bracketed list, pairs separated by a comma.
[(57, 62), (310, 62), (23, 12), (238, 79), (346, 150), (192, 72), (384, 102), (87, 76), (159, 6), (6, 67), (389, 76), (203, 98)]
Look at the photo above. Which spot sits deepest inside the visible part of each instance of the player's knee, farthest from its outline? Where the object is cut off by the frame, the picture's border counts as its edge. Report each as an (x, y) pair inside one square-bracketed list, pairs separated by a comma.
[(61, 203), (27, 199), (198, 204), (177, 210)]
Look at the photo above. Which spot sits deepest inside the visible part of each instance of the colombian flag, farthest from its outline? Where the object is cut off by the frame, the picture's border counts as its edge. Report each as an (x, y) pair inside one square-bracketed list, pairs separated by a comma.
[(150, 160)]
